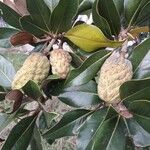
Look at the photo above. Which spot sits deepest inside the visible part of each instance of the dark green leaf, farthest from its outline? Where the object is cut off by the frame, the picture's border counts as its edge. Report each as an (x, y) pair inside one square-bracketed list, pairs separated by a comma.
[(82, 95), (85, 5), (88, 70), (90, 127), (76, 60), (40, 13), (5, 34), (29, 26), (36, 142), (119, 5), (2, 89), (138, 55), (144, 68), (49, 117), (10, 16), (131, 88), (141, 94), (20, 135), (53, 87), (132, 9), (80, 1), (67, 125), (42, 125), (141, 112), (129, 144), (83, 54), (7, 72), (51, 4), (110, 135), (45, 120), (100, 22), (144, 15), (63, 14), (32, 90), (2, 96), (2, 93), (6, 119), (22, 112), (107, 9), (140, 137), (146, 148)]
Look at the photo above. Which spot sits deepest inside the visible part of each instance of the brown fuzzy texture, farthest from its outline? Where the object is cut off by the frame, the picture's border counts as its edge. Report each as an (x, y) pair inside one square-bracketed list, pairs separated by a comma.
[(36, 67), (14, 95), (115, 71), (60, 62), (14, 98)]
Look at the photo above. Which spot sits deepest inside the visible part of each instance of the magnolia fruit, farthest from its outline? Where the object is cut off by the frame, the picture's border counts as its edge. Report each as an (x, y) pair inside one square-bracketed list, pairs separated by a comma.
[(36, 68), (115, 71), (60, 62)]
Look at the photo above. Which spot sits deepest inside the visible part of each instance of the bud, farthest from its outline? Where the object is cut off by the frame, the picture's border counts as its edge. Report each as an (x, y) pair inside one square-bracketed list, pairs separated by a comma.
[(115, 71), (13, 100), (36, 68), (60, 62)]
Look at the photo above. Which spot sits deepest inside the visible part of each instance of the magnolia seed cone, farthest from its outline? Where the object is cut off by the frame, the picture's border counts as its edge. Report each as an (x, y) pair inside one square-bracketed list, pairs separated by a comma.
[(13, 100), (60, 62), (36, 68), (115, 71)]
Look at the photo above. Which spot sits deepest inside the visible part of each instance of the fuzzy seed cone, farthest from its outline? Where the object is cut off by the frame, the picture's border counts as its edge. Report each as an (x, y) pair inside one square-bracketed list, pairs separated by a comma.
[(36, 68), (115, 71), (60, 62)]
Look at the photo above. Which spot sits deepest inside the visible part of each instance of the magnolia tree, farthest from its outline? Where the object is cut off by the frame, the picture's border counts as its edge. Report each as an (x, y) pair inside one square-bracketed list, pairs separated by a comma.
[(101, 77)]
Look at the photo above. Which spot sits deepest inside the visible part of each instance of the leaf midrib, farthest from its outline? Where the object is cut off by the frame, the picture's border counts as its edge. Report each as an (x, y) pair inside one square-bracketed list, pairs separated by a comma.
[(141, 116), (99, 60), (24, 132), (70, 123), (116, 125), (12, 13), (99, 126), (130, 23), (43, 17), (93, 40), (135, 93)]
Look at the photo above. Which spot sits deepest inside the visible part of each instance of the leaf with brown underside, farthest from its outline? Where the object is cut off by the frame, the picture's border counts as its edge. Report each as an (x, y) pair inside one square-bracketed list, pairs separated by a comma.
[(22, 38), (136, 31), (18, 5), (22, 6), (11, 5)]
